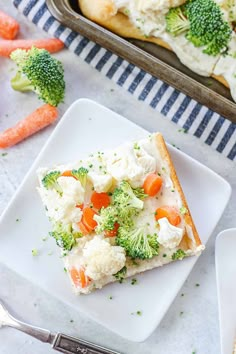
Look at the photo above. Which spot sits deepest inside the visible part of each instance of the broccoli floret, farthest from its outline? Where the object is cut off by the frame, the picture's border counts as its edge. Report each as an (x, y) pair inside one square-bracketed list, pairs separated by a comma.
[(139, 193), (125, 197), (207, 26), (203, 22), (176, 21), (137, 243), (81, 174), (50, 181), (121, 274), (180, 254), (63, 236), (38, 71), (126, 204), (107, 219)]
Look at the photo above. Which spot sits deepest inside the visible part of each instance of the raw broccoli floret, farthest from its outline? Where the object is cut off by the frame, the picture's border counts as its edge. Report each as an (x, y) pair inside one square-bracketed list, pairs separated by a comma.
[(126, 204), (50, 181), (38, 71), (207, 26), (81, 174), (203, 22), (176, 21), (139, 193), (121, 274), (180, 254), (107, 219), (63, 236), (124, 197), (137, 243)]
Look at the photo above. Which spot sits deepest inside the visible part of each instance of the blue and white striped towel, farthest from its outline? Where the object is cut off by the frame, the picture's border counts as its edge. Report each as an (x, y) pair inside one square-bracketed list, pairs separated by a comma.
[(198, 120)]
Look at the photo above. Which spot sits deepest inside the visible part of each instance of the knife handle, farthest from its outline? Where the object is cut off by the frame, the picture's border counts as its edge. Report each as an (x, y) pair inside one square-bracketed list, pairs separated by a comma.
[(67, 344)]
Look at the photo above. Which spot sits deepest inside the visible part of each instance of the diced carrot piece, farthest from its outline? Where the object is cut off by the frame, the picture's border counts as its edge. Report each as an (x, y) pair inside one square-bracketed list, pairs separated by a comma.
[(152, 184), (79, 277), (81, 206), (169, 212), (50, 44), (67, 173), (87, 218), (112, 233), (34, 122), (85, 231), (9, 27), (100, 200)]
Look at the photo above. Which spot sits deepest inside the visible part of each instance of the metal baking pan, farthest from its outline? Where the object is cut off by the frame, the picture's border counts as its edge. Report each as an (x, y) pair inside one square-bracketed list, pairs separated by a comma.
[(150, 57)]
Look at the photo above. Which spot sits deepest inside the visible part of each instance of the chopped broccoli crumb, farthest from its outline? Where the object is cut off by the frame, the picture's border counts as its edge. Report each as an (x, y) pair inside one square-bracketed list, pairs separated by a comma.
[(180, 254), (134, 281), (35, 252), (121, 274), (183, 210)]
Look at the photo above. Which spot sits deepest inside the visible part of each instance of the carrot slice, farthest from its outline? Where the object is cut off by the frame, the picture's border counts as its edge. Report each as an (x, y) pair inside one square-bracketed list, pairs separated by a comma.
[(112, 233), (9, 27), (85, 231), (88, 219), (34, 122), (79, 277), (100, 200), (169, 212), (67, 174), (81, 206), (152, 184), (8, 46)]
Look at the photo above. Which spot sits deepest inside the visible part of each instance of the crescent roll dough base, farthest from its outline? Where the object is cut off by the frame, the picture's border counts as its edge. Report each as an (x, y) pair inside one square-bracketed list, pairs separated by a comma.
[(104, 14)]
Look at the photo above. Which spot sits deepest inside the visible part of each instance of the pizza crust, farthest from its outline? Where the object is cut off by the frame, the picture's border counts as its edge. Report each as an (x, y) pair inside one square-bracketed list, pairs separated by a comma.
[(105, 14), (192, 246), (186, 242)]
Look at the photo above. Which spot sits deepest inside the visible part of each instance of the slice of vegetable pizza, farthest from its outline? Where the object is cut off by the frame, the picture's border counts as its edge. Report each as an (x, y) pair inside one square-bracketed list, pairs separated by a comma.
[(118, 213)]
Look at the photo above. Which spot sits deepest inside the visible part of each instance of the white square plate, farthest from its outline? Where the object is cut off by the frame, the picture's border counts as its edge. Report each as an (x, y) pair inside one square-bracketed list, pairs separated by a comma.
[(226, 285), (88, 127)]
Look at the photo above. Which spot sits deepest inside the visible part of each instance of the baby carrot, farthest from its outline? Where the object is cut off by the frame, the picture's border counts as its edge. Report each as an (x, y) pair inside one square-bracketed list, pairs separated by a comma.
[(34, 122), (87, 218), (9, 27), (100, 200), (169, 212), (152, 184), (50, 44)]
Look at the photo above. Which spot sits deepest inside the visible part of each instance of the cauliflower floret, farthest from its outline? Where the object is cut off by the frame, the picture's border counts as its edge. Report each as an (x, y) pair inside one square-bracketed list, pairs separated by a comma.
[(169, 236), (101, 183), (122, 165), (71, 189), (62, 208), (102, 259)]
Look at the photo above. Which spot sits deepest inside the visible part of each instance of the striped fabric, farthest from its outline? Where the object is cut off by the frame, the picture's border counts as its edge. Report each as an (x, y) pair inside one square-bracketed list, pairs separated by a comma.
[(194, 118)]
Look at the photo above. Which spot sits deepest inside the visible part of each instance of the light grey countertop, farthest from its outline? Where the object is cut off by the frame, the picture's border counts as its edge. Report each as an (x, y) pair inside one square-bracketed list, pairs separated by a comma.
[(196, 329)]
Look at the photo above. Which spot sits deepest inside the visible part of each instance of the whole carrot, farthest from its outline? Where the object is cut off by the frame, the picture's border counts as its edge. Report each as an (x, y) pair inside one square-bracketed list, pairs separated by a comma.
[(9, 27), (51, 44), (34, 122)]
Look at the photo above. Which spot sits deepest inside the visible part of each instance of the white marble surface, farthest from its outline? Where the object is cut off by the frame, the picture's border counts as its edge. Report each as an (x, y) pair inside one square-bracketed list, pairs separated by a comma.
[(191, 324)]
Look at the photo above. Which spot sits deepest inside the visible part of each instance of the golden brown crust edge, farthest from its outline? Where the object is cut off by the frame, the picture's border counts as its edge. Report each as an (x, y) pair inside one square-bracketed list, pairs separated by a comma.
[(186, 242), (120, 24)]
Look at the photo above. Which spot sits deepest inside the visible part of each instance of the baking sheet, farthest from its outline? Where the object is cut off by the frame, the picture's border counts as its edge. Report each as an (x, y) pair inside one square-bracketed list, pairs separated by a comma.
[(150, 57)]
